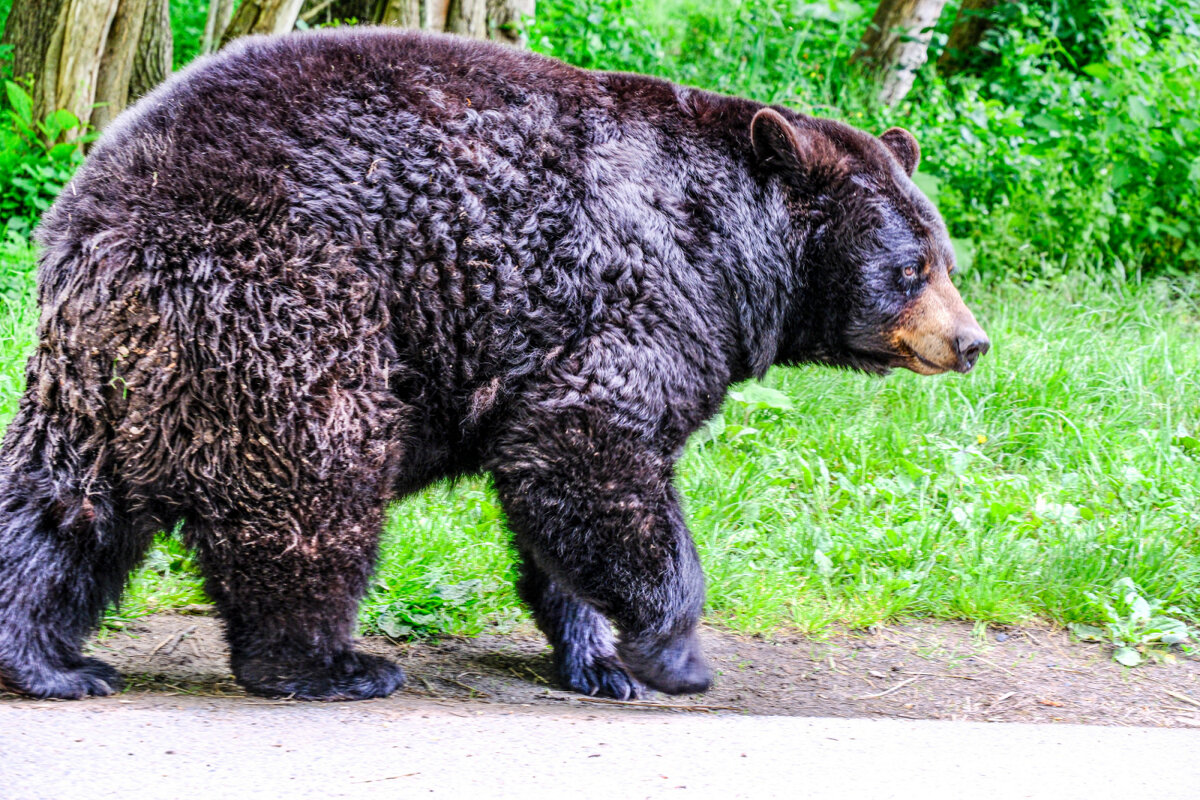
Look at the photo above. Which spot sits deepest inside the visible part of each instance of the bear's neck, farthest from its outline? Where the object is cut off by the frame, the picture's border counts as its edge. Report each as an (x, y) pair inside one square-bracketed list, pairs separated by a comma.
[(750, 241)]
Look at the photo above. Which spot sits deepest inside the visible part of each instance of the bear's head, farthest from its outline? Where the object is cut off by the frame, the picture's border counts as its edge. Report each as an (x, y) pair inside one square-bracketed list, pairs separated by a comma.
[(872, 257)]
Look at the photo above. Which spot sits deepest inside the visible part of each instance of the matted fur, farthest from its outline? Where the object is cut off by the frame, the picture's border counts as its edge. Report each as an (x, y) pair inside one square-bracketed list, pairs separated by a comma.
[(314, 273)]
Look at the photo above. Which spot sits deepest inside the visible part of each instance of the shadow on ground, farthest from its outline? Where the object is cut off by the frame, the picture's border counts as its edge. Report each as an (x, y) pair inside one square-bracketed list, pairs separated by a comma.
[(926, 670)]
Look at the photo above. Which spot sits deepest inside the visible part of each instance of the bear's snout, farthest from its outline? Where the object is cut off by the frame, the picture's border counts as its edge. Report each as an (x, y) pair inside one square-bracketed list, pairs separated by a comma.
[(939, 333), (971, 344)]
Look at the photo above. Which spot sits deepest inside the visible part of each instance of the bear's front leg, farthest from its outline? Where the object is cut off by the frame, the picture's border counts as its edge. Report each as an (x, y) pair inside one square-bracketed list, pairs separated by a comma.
[(591, 503), (585, 653), (287, 581)]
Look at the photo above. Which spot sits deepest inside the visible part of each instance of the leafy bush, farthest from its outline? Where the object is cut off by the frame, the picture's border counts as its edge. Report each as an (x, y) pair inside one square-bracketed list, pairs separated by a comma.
[(1071, 145), (1069, 142), (34, 164), (1055, 165)]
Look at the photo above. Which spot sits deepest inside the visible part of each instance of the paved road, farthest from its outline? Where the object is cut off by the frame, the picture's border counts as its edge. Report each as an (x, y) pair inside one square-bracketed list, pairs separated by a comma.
[(200, 748)]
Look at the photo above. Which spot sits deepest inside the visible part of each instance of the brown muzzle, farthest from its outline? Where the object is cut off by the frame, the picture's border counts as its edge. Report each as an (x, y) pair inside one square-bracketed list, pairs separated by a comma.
[(939, 333)]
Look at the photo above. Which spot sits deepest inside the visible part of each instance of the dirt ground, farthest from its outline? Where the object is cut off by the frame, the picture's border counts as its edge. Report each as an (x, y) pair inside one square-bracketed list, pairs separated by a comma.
[(924, 670)]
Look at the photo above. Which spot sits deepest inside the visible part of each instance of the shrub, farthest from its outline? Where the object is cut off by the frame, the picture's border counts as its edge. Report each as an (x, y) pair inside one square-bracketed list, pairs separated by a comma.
[(34, 163)]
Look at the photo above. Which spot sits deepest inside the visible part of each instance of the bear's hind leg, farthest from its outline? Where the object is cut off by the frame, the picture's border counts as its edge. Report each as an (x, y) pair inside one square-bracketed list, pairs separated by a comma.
[(585, 654), (64, 556), (287, 583)]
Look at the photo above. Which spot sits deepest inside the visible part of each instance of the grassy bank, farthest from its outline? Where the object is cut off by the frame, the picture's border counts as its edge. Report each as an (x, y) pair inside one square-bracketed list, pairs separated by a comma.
[(1068, 460)]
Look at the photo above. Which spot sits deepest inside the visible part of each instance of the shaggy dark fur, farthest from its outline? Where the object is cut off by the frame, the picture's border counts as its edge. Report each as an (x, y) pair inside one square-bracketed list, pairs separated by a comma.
[(312, 274)]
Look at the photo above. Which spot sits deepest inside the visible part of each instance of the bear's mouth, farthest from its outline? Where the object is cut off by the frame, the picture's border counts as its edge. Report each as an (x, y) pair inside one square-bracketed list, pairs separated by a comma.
[(914, 361)]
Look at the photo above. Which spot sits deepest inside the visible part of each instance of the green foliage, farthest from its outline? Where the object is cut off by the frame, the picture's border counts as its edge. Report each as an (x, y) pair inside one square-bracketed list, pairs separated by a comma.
[(1051, 164), (596, 34), (1072, 145), (34, 163), (188, 18), (1135, 625)]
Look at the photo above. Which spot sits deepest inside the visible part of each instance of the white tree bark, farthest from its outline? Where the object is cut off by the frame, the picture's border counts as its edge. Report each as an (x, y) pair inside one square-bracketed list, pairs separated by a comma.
[(506, 20), (77, 47), (468, 18), (220, 13), (896, 44)]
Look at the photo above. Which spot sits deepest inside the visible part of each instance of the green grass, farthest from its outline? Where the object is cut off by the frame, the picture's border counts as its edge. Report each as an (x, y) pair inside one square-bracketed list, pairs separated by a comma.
[(1068, 460)]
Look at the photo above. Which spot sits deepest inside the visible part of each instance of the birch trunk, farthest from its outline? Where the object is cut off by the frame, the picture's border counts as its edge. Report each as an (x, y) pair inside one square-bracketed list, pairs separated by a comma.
[(896, 44), (468, 18), (220, 14)]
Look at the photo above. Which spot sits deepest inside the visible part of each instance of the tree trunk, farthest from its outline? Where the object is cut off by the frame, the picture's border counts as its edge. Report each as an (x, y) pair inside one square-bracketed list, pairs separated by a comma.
[(220, 13), (506, 20), (155, 51), (503, 20), (59, 45), (262, 16), (896, 43), (973, 21), (89, 56), (404, 13), (364, 12), (116, 65), (29, 29), (468, 18)]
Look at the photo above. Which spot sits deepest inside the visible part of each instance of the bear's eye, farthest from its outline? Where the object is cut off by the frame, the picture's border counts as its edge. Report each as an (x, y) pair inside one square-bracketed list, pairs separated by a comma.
[(910, 271)]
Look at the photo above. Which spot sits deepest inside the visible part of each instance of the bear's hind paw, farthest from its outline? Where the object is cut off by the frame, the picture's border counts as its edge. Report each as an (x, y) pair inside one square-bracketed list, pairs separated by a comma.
[(88, 678), (351, 676)]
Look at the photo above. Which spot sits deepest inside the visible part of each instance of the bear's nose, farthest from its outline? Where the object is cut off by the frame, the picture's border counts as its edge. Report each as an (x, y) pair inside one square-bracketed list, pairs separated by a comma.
[(970, 347)]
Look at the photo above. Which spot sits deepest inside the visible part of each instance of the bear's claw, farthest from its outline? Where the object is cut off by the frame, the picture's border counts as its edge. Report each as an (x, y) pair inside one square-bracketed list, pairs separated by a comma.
[(600, 676)]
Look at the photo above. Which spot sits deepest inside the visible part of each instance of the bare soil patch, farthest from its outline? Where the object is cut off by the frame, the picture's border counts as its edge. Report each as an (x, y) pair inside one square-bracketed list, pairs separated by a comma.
[(922, 670)]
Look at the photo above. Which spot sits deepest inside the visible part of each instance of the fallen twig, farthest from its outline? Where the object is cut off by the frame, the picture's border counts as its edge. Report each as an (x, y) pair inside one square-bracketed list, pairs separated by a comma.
[(997, 702), (174, 641), (886, 692), (648, 704), (536, 678), (390, 777), (1183, 697), (943, 675), (997, 666), (466, 686)]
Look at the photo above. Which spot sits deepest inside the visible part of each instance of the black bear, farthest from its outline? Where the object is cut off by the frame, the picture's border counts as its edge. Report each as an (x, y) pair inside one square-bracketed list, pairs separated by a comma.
[(312, 274)]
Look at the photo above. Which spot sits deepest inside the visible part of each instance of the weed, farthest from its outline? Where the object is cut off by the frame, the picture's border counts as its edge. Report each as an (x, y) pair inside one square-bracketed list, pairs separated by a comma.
[(1134, 625)]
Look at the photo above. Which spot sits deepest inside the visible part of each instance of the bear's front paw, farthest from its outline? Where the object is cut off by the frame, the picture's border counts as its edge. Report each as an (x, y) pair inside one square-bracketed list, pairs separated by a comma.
[(349, 676), (600, 676), (673, 666), (88, 678)]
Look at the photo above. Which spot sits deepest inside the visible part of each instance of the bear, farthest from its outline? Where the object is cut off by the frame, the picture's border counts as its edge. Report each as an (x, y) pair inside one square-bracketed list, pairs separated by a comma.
[(312, 274)]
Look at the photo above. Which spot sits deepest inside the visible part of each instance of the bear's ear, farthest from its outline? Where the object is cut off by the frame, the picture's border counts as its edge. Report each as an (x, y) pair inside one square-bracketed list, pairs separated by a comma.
[(904, 147), (799, 151)]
